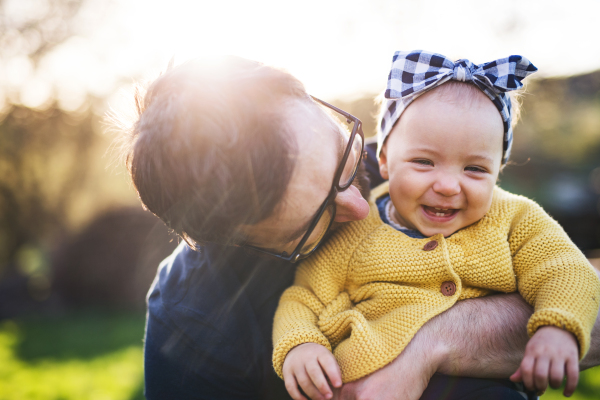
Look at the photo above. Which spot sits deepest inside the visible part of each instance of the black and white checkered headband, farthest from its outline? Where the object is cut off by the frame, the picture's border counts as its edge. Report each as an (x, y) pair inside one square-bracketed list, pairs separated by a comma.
[(415, 72)]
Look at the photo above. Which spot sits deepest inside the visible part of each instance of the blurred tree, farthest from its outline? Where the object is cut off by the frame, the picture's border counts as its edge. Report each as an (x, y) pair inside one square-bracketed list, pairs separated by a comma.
[(43, 160), (53, 176), (32, 28), (113, 260), (365, 109), (561, 120)]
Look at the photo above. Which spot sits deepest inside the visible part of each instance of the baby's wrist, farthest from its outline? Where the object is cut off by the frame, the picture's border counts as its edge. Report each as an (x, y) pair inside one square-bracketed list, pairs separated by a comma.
[(555, 331), (303, 347)]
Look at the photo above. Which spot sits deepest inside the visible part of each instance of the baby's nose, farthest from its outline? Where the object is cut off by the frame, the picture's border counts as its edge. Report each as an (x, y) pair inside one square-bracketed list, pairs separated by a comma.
[(350, 205), (447, 185)]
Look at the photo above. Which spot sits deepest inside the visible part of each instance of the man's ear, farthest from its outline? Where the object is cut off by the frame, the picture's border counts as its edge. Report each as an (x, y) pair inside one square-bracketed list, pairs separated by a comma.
[(383, 167)]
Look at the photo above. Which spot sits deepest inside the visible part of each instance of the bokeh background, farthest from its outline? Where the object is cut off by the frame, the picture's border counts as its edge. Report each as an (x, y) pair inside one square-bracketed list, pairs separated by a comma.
[(78, 253)]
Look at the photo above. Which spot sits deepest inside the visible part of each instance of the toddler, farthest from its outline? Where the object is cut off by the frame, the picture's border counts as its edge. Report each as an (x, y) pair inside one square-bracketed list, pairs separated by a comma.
[(438, 232)]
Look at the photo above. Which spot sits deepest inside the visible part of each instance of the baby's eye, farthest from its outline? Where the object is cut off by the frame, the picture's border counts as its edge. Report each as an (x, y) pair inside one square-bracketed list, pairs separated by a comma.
[(423, 161), (474, 168)]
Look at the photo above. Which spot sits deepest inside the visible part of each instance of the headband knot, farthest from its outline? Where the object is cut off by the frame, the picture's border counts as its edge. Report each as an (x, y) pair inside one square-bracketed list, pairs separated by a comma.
[(461, 72), (414, 73)]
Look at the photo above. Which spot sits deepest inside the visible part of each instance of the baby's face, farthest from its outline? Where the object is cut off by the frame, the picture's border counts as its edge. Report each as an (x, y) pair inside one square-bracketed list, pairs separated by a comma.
[(442, 160)]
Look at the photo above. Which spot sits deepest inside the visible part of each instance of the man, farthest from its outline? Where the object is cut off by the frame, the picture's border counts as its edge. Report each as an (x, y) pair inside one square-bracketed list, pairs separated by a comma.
[(237, 159)]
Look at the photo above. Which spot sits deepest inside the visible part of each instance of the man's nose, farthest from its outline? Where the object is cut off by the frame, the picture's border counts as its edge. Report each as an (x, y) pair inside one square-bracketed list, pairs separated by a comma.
[(447, 184), (350, 206)]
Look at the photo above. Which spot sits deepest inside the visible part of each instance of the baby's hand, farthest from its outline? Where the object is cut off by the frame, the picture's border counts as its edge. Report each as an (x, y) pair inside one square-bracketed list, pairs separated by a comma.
[(304, 365), (550, 353)]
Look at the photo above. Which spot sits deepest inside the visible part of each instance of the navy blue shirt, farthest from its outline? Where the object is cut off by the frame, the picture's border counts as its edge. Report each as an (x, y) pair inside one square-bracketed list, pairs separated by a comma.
[(208, 333)]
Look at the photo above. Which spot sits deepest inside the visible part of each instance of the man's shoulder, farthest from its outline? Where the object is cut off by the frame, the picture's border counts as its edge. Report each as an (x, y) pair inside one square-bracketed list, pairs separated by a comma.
[(184, 269), (216, 288), (175, 271), (205, 278)]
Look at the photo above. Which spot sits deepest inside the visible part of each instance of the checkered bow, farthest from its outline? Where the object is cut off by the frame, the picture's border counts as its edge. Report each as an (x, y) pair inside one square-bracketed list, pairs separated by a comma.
[(415, 72)]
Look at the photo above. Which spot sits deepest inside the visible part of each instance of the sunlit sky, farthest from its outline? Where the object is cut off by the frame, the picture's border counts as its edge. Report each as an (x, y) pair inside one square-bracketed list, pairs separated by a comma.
[(338, 48)]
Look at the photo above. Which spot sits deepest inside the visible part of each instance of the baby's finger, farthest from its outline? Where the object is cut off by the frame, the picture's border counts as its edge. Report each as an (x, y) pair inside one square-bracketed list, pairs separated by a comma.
[(517, 376), (332, 369), (542, 371), (572, 377), (527, 372), (314, 371), (307, 385), (557, 373), (291, 386)]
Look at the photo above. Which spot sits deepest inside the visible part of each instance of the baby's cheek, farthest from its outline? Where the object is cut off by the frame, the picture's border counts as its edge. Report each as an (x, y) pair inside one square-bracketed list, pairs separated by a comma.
[(480, 195), (481, 207)]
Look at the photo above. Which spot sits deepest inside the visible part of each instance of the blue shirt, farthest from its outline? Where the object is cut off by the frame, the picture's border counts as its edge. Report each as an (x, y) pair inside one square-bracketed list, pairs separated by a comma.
[(382, 203), (208, 332)]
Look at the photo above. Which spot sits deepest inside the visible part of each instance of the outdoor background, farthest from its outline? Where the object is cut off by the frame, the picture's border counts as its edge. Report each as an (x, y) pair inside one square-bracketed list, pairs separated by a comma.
[(78, 253)]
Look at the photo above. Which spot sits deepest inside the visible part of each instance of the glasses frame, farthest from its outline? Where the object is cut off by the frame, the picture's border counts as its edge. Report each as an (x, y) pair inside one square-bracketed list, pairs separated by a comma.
[(330, 199)]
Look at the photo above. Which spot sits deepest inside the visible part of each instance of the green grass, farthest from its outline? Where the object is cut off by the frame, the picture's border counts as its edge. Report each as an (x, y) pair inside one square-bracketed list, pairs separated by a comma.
[(587, 389), (98, 356), (91, 356)]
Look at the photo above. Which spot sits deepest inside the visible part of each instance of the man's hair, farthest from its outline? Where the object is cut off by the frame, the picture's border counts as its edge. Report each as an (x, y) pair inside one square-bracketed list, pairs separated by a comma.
[(210, 150)]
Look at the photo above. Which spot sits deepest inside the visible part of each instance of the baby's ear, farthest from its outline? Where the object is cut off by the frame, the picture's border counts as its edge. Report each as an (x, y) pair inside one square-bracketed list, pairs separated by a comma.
[(383, 167)]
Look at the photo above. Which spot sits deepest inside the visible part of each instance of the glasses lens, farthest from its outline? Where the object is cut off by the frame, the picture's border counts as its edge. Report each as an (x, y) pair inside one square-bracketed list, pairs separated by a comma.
[(317, 234), (352, 162)]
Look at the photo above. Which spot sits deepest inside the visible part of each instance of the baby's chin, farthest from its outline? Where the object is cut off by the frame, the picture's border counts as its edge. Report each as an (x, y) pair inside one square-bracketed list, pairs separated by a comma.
[(447, 231), (443, 232)]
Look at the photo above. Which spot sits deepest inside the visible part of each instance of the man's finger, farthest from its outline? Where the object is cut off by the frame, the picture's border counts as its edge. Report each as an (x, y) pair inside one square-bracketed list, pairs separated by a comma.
[(572, 370), (332, 369), (337, 394), (347, 391)]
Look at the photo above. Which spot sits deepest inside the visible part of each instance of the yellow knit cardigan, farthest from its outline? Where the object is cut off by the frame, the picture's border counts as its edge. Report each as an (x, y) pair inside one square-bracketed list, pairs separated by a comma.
[(368, 290)]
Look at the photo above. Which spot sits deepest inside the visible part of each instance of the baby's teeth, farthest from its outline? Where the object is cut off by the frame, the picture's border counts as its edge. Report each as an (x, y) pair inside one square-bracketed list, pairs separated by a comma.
[(439, 214)]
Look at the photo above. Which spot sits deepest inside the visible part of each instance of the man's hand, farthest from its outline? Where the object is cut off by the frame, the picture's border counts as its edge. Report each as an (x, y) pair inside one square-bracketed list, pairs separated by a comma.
[(405, 378), (309, 365), (550, 354)]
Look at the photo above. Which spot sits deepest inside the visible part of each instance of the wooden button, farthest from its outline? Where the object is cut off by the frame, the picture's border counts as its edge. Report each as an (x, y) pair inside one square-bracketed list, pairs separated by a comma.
[(430, 245), (448, 288)]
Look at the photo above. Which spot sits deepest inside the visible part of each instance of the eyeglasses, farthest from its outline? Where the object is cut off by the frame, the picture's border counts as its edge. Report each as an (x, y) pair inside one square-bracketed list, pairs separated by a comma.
[(345, 174)]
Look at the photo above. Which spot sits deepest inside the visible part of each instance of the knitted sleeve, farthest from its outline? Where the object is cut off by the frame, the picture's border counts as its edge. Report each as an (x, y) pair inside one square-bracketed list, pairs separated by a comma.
[(553, 275), (319, 282)]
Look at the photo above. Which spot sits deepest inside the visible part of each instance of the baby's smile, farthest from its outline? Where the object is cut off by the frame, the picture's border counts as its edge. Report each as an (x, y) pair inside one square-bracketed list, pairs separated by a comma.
[(439, 214)]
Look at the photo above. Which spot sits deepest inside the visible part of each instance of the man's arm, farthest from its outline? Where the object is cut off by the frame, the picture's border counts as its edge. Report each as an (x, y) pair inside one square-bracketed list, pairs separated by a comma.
[(490, 339), (484, 337), (481, 338)]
